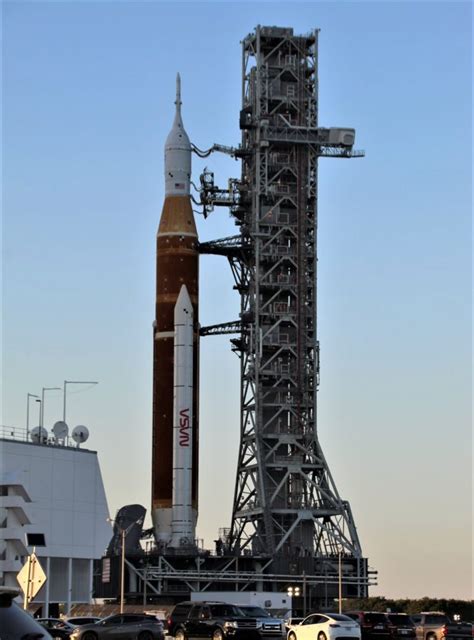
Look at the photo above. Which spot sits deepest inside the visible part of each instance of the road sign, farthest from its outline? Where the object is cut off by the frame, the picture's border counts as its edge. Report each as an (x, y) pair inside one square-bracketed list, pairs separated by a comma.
[(31, 578)]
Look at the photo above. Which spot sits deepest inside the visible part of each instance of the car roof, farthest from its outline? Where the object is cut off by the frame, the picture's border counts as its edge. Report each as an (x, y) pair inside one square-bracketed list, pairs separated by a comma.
[(345, 613), (424, 613), (206, 602), (52, 619), (7, 594)]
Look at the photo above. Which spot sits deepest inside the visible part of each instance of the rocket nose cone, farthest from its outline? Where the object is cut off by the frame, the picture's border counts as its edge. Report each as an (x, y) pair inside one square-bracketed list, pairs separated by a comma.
[(183, 303)]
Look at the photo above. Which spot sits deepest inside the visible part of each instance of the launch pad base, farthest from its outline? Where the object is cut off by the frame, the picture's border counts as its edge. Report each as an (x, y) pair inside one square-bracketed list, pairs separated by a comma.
[(168, 579)]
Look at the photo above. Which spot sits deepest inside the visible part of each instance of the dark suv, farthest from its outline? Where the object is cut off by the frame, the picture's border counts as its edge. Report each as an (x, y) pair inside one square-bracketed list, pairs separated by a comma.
[(373, 624), (400, 624), (215, 620)]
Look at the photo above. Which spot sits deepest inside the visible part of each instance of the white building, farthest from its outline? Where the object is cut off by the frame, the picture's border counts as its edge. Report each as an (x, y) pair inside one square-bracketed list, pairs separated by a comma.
[(55, 490)]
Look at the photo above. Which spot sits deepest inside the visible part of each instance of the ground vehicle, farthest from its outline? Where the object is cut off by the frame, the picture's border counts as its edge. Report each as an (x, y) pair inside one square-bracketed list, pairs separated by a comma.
[(267, 625), (435, 625), (269, 600), (124, 626), (215, 620), (373, 624), (59, 629), (325, 626), (80, 620), (16, 624), (400, 625)]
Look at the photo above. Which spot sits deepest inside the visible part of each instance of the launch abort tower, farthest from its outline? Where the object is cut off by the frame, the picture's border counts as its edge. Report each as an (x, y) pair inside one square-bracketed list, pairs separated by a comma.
[(286, 503)]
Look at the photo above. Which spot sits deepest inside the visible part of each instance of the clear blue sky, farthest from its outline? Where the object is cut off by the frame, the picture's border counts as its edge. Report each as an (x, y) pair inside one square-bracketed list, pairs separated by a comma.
[(87, 103)]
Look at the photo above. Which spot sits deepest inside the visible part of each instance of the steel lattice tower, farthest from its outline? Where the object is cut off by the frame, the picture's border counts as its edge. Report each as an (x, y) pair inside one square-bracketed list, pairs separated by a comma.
[(286, 502)]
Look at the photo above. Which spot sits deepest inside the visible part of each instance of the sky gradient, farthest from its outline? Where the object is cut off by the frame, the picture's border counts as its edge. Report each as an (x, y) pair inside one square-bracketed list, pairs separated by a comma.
[(88, 91)]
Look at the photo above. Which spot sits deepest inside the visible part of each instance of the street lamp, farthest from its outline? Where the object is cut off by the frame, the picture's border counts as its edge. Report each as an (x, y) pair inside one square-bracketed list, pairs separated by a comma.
[(340, 580), (66, 382), (293, 591), (123, 535), (42, 402), (28, 396)]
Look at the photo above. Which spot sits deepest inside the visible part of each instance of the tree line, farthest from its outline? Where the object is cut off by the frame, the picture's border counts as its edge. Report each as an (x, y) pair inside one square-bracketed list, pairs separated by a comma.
[(450, 607)]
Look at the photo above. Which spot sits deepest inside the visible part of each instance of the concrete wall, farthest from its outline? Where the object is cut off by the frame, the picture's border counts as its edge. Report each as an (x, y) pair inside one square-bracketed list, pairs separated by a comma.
[(68, 502), (68, 505)]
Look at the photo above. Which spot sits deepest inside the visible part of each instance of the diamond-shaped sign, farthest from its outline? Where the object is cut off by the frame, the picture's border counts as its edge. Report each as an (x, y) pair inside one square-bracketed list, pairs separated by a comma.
[(31, 577)]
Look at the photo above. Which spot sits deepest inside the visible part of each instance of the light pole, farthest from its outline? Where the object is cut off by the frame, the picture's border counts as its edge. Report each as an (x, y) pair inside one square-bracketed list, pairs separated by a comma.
[(42, 401), (340, 581), (28, 396), (66, 382), (123, 535), (293, 591)]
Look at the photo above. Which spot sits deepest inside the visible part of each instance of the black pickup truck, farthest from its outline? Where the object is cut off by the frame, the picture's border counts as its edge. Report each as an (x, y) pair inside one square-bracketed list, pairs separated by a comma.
[(215, 620)]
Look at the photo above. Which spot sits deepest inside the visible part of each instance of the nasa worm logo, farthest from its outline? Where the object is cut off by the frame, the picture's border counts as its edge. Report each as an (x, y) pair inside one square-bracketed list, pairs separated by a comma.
[(184, 428)]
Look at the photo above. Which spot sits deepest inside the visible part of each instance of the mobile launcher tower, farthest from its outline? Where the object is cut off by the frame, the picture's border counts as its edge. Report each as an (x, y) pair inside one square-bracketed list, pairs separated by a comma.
[(286, 504), (289, 525)]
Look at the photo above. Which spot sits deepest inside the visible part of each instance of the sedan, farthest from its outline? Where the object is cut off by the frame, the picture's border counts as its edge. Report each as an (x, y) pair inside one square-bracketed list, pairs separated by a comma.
[(325, 626), (125, 626), (59, 629)]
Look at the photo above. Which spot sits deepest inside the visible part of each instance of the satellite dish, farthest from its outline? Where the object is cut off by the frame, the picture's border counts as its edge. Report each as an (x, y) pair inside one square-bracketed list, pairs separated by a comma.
[(80, 434), (39, 435), (60, 430)]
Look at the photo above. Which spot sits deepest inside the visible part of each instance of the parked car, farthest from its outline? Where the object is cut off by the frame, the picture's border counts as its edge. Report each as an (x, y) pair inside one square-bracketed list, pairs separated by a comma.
[(400, 625), (435, 625), (325, 626), (215, 620), (58, 629), (373, 624), (124, 626), (267, 625), (78, 621), (15, 623)]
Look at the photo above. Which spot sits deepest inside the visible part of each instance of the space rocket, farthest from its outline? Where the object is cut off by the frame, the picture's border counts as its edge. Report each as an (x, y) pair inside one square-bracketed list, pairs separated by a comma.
[(175, 351)]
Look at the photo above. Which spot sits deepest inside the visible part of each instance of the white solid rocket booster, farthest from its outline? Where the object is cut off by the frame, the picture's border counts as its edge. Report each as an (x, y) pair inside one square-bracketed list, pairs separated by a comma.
[(183, 519)]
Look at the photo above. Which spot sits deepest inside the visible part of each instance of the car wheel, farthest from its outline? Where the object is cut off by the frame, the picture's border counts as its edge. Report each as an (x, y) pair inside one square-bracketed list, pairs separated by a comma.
[(145, 635), (321, 636), (89, 635), (291, 636), (179, 634), (217, 634)]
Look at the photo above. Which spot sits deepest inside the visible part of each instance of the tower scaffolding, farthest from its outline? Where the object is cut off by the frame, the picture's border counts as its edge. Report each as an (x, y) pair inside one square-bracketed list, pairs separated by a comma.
[(286, 503)]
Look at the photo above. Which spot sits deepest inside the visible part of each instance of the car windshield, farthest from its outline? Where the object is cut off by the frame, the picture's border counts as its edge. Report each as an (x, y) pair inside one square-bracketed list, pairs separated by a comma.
[(254, 612), (80, 621), (436, 618), (399, 618), (226, 610), (113, 619), (374, 617), (339, 617)]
